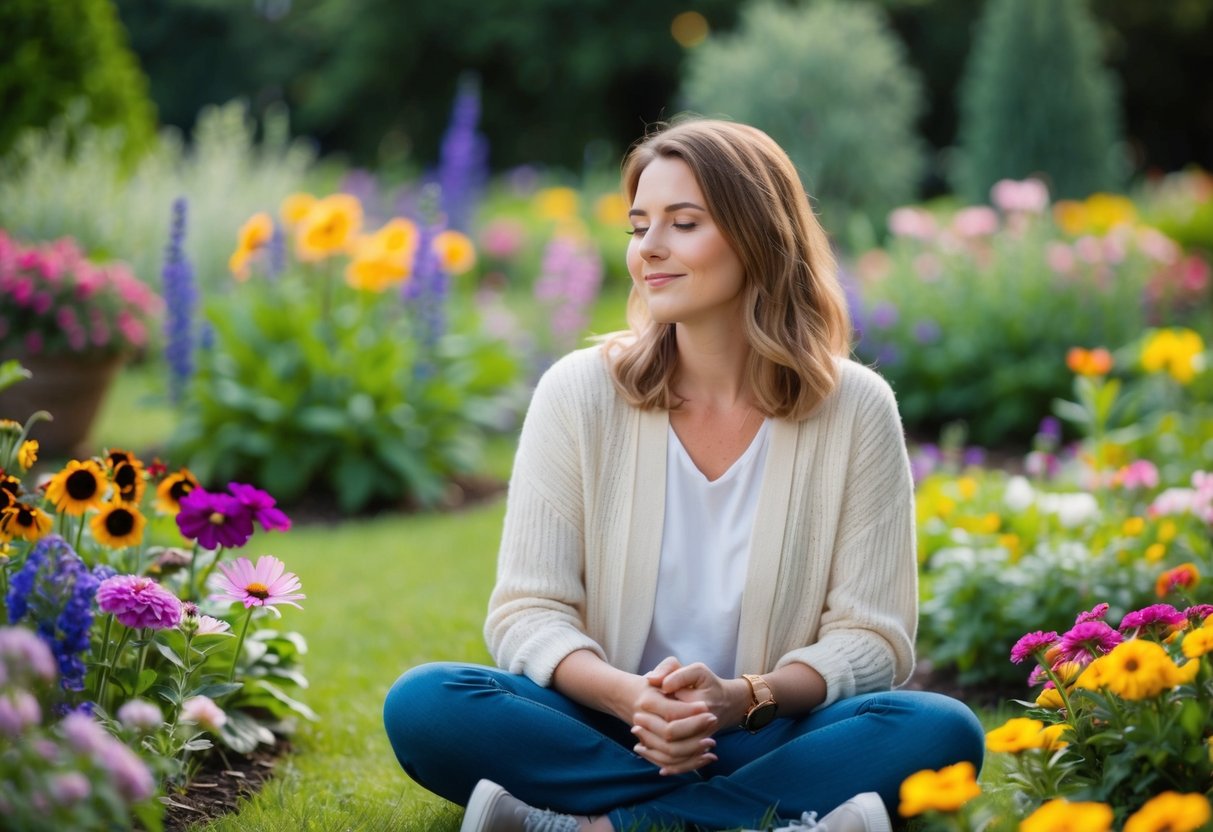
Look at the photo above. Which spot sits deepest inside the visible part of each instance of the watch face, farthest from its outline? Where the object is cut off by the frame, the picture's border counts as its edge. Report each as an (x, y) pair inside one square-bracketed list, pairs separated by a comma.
[(760, 716)]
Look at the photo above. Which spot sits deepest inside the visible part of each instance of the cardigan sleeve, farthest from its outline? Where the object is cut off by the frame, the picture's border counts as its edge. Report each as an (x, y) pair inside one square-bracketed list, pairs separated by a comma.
[(865, 639), (536, 610)]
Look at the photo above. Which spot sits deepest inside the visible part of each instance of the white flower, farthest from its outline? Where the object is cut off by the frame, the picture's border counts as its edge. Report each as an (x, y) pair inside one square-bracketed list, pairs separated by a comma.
[(1019, 494), (203, 712), (1072, 510), (208, 626)]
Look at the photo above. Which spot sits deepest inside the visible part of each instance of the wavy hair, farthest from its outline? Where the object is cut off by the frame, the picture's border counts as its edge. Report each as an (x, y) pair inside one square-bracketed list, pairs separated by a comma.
[(796, 319)]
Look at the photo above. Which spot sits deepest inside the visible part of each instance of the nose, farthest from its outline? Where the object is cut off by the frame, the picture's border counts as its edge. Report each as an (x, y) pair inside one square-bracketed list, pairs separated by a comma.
[(652, 246)]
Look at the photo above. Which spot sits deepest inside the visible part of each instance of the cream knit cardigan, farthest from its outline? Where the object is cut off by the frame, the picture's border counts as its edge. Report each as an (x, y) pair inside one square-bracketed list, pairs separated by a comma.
[(832, 577)]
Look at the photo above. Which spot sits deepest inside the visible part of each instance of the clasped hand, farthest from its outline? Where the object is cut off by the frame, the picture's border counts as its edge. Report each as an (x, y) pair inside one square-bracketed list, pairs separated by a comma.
[(676, 713)]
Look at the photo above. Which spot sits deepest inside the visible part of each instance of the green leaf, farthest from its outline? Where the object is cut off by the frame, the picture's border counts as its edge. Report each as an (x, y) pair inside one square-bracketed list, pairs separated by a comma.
[(169, 654), (146, 679), (242, 733), (217, 690)]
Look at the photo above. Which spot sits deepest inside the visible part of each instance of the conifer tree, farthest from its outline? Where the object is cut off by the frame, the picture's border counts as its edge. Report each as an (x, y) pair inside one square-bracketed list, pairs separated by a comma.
[(1036, 100)]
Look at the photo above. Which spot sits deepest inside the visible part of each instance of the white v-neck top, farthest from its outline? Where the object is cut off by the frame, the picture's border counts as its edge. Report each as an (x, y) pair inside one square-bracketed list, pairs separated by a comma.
[(705, 552)]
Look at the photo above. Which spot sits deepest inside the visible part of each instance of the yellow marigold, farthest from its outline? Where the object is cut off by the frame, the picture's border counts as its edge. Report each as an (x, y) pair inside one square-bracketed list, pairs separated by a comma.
[(1186, 673), (294, 208), (1155, 552), (611, 209), (397, 236), (1178, 352), (1011, 543), (945, 790), (990, 523), (1050, 698), (456, 253), (1070, 216), (27, 454), (376, 272), (1170, 812), (256, 232), (1133, 526), (967, 486), (330, 227), (1083, 362), (945, 506), (1106, 211), (1059, 815), (1015, 735), (556, 203), (1137, 669)]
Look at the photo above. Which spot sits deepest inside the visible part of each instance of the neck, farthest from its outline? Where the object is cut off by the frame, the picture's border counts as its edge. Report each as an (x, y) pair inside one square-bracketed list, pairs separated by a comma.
[(712, 365)]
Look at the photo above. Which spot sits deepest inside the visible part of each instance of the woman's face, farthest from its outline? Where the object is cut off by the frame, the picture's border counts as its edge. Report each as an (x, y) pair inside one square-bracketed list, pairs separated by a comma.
[(680, 262)]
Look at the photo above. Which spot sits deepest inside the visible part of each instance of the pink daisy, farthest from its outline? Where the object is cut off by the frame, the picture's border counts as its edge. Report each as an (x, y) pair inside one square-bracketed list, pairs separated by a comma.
[(1031, 644), (264, 585)]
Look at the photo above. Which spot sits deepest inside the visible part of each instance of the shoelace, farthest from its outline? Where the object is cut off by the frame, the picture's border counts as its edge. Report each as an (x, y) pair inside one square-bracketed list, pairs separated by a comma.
[(808, 821), (543, 820)]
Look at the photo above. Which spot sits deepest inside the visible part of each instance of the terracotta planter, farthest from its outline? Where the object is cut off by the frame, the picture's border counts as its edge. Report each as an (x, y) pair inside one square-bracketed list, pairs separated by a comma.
[(71, 388)]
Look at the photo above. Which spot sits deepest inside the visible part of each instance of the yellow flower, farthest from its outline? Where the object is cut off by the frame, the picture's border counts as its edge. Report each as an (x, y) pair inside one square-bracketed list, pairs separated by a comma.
[(1184, 674), (24, 521), (331, 226), (1011, 543), (455, 252), (375, 273), (1015, 735), (294, 208), (172, 490), (79, 487), (1070, 216), (27, 454), (967, 486), (1133, 526), (1050, 698), (611, 209), (118, 525), (398, 236), (1170, 812), (1051, 737), (1060, 815), (1175, 351), (990, 523), (1137, 669), (1155, 552), (945, 506), (1106, 211), (556, 203), (254, 234), (1167, 531), (945, 790)]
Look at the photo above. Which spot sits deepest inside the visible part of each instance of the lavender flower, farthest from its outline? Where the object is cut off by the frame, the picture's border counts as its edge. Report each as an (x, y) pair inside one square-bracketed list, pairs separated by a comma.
[(24, 657), (54, 592), (927, 331), (181, 297), (571, 274), (426, 292), (463, 159)]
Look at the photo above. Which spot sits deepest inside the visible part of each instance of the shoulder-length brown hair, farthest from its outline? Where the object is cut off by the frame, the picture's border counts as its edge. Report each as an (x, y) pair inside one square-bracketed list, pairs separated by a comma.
[(796, 318)]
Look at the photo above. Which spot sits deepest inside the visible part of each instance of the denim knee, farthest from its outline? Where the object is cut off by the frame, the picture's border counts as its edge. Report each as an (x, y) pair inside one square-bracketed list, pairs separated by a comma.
[(410, 710), (956, 728)]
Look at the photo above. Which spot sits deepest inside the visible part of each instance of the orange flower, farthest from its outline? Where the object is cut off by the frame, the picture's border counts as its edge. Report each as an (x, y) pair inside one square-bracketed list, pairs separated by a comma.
[(1084, 362), (455, 252), (329, 227), (295, 207), (1184, 576)]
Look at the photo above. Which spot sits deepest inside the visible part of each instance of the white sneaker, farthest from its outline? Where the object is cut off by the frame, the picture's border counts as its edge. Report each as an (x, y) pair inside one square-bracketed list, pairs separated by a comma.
[(862, 813), (492, 809)]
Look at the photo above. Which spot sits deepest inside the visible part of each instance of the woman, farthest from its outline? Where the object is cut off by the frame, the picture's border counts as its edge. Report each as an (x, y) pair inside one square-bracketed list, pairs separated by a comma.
[(707, 582)]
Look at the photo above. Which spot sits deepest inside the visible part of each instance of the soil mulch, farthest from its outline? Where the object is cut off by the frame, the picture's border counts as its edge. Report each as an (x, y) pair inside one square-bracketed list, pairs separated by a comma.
[(219, 784)]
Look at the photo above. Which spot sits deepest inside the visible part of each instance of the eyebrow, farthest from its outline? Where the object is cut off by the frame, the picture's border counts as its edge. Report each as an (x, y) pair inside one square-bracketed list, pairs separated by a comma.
[(677, 206)]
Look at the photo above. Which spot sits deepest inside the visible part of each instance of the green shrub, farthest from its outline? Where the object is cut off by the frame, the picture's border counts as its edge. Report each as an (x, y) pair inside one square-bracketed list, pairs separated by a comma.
[(1036, 101), (48, 190), (57, 53), (830, 83), (970, 317)]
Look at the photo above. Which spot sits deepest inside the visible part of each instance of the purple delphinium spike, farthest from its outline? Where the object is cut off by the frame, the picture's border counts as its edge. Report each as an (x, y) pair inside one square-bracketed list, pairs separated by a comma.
[(181, 297), (463, 158)]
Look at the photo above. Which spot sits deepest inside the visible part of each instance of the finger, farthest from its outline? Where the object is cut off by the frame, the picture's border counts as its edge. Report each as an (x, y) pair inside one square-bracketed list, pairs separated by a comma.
[(676, 755), (695, 726), (690, 677), (668, 709), (690, 765), (664, 668)]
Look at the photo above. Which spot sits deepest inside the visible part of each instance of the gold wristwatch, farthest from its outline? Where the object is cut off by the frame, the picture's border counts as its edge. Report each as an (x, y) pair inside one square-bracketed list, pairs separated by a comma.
[(763, 706)]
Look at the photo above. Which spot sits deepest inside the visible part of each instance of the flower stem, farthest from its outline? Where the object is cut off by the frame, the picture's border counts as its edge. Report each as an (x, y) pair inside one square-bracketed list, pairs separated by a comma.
[(210, 567), (190, 589), (240, 644), (146, 635), (113, 662)]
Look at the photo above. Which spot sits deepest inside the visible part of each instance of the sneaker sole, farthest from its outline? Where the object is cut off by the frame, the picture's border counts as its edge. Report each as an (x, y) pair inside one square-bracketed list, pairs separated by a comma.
[(875, 815), (480, 806)]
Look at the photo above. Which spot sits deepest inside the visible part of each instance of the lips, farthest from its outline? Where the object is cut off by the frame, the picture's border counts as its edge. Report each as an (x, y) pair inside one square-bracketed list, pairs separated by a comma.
[(660, 278)]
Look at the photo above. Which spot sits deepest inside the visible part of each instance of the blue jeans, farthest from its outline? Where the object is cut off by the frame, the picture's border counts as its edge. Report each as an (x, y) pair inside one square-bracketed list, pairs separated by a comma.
[(452, 724)]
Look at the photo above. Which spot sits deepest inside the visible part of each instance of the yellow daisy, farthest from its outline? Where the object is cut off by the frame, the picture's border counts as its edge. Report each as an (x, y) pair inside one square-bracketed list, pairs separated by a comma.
[(1015, 735), (945, 790), (24, 521), (1060, 815), (118, 525), (172, 490), (80, 486)]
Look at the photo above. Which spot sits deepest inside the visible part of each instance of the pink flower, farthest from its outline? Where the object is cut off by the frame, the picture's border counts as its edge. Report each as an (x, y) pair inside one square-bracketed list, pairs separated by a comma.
[(1096, 613), (1060, 257), (1028, 196), (1031, 644), (68, 788), (1088, 640), (23, 654), (139, 602), (914, 223), (140, 715), (1140, 473), (208, 626), (975, 221), (203, 712), (18, 711), (1158, 620), (1197, 613), (264, 585)]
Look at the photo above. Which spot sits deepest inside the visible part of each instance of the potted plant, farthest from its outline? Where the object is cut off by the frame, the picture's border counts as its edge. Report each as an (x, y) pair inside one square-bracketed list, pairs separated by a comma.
[(72, 322)]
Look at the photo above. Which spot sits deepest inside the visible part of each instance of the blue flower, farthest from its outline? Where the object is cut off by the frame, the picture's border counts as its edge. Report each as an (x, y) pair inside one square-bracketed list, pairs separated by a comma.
[(463, 158), (180, 296)]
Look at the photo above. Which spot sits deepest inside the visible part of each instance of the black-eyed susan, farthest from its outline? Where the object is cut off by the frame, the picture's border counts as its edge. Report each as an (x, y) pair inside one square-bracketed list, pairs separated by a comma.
[(118, 525), (172, 489), (24, 521), (10, 490), (129, 482), (27, 454), (80, 486)]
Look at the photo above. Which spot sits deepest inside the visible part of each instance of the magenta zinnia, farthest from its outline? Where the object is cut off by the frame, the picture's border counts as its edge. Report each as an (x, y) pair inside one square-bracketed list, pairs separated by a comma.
[(1032, 644), (1088, 640), (139, 602), (1158, 620), (265, 585), (215, 520), (1096, 613)]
